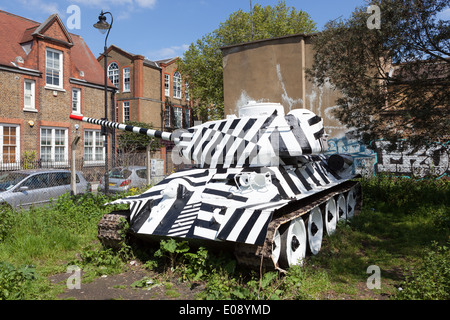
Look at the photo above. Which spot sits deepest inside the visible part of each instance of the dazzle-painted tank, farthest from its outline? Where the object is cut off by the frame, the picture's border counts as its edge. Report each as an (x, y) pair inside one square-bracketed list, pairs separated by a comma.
[(261, 183)]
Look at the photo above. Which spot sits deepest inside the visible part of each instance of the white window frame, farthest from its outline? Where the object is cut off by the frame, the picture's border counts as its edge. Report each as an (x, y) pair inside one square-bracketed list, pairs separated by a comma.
[(97, 143), (113, 74), (167, 113), (188, 118), (167, 85), (178, 117), (77, 109), (58, 71), (126, 111), (32, 95), (177, 85), (17, 146), (126, 75), (186, 91), (53, 146)]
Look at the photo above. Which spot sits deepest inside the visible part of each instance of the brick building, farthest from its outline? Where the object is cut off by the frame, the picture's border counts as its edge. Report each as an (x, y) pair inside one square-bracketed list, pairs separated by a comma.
[(149, 91), (47, 73)]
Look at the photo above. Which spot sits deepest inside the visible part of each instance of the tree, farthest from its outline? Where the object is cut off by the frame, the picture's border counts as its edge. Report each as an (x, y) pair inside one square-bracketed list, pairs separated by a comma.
[(202, 62), (130, 142), (394, 77)]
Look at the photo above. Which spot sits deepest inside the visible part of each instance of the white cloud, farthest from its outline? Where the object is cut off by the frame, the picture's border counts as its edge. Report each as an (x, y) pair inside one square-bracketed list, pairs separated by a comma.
[(124, 8), (444, 14), (42, 6), (146, 3), (107, 4), (169, 52)]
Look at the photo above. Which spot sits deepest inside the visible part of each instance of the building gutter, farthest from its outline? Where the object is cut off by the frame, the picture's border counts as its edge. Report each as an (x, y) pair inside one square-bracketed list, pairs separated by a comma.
[(21, 70)]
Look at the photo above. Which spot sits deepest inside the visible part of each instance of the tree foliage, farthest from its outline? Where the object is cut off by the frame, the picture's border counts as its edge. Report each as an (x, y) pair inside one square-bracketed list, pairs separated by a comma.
[(394, 80), (202, 62), (132, 142)]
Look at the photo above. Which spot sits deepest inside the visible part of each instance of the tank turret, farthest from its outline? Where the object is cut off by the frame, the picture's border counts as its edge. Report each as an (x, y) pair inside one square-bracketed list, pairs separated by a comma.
[(262, 135), (262, 185)]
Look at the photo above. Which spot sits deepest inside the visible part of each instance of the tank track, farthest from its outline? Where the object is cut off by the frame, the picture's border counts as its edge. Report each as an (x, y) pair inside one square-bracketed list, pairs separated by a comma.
[(111, 229), (255, 257)]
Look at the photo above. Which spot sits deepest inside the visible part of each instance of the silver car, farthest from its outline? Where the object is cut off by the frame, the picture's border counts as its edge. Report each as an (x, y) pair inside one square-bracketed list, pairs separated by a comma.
[(123, 178), (37, 186)]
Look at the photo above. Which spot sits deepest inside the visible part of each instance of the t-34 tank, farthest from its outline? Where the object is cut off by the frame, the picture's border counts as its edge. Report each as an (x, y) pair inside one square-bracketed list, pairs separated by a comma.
[(260, 182)]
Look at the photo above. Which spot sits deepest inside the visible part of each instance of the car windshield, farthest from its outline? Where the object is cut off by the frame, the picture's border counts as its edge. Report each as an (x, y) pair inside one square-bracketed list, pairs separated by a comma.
[(10, 179), (119, 173)]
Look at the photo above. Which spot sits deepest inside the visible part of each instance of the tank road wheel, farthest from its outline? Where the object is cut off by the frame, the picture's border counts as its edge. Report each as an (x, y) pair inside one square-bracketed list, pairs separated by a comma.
[(293, 244), (276, 247), (315, 230), (330, 216), (341, 204), (351, 203)]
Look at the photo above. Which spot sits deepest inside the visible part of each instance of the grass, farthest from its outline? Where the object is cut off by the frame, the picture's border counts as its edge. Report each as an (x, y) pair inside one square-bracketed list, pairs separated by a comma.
[(399, 222), (403, 229)]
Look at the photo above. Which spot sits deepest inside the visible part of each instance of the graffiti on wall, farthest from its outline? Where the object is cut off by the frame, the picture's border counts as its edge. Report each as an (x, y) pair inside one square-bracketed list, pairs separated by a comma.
[(363, 157), (433, 160), (426, 161)]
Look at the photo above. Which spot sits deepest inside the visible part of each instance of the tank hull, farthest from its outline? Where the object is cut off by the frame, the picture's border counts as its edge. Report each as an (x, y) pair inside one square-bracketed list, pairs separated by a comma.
[(244, 206)]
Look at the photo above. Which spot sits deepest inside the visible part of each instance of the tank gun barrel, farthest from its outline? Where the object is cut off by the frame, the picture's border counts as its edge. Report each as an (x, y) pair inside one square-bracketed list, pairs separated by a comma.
[(262, 135), (168, 136)]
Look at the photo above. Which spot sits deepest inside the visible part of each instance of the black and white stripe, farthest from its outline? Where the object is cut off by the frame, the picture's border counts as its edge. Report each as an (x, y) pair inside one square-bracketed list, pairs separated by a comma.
[(240, 142), (245, 225), (185, 220), (113, 125)]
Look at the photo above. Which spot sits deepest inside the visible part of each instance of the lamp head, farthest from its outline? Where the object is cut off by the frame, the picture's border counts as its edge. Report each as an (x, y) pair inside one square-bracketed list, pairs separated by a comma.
[(101, 24)]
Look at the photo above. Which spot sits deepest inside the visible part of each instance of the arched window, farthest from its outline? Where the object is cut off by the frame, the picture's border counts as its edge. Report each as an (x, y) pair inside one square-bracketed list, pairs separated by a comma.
[(177, 85), (113, 73)]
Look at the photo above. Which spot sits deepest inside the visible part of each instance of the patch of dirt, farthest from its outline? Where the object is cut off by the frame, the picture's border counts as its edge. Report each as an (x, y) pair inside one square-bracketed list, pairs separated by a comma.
[(364, 293), (119, 287)]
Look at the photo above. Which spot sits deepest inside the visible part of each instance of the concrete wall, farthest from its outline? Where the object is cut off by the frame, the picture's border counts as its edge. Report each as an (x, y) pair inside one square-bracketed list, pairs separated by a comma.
[(274, 71)]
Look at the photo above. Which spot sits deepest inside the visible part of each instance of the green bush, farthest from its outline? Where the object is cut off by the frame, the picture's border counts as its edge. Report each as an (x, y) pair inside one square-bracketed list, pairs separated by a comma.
[(6, 221), (431, 280), (404, 193), (15, 282)]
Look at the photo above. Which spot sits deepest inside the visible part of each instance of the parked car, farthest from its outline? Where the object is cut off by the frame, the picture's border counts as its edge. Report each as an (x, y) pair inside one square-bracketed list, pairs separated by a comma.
[(124, 178), (24, 188)]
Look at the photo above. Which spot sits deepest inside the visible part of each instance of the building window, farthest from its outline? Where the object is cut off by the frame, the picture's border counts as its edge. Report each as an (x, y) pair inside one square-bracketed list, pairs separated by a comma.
[(94, 150), (167, 85), (126, 111), (186, 91), (113, 73), (188, 118), (76, 100), (54, 68), (9, 144), (178, 117), (167, 117), (126, 79), (28, 97), (54, 144), (177, 85)]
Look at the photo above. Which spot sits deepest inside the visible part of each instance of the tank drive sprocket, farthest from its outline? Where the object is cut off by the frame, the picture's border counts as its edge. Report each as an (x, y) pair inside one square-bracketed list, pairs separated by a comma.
[(112, 229)]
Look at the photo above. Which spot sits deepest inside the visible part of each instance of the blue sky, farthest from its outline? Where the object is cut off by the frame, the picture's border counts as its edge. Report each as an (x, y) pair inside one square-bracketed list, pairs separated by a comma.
[(160, 29)]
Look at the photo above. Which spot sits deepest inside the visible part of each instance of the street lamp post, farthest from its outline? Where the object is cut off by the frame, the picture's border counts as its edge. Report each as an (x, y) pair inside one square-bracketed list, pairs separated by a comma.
[(104, 27)]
